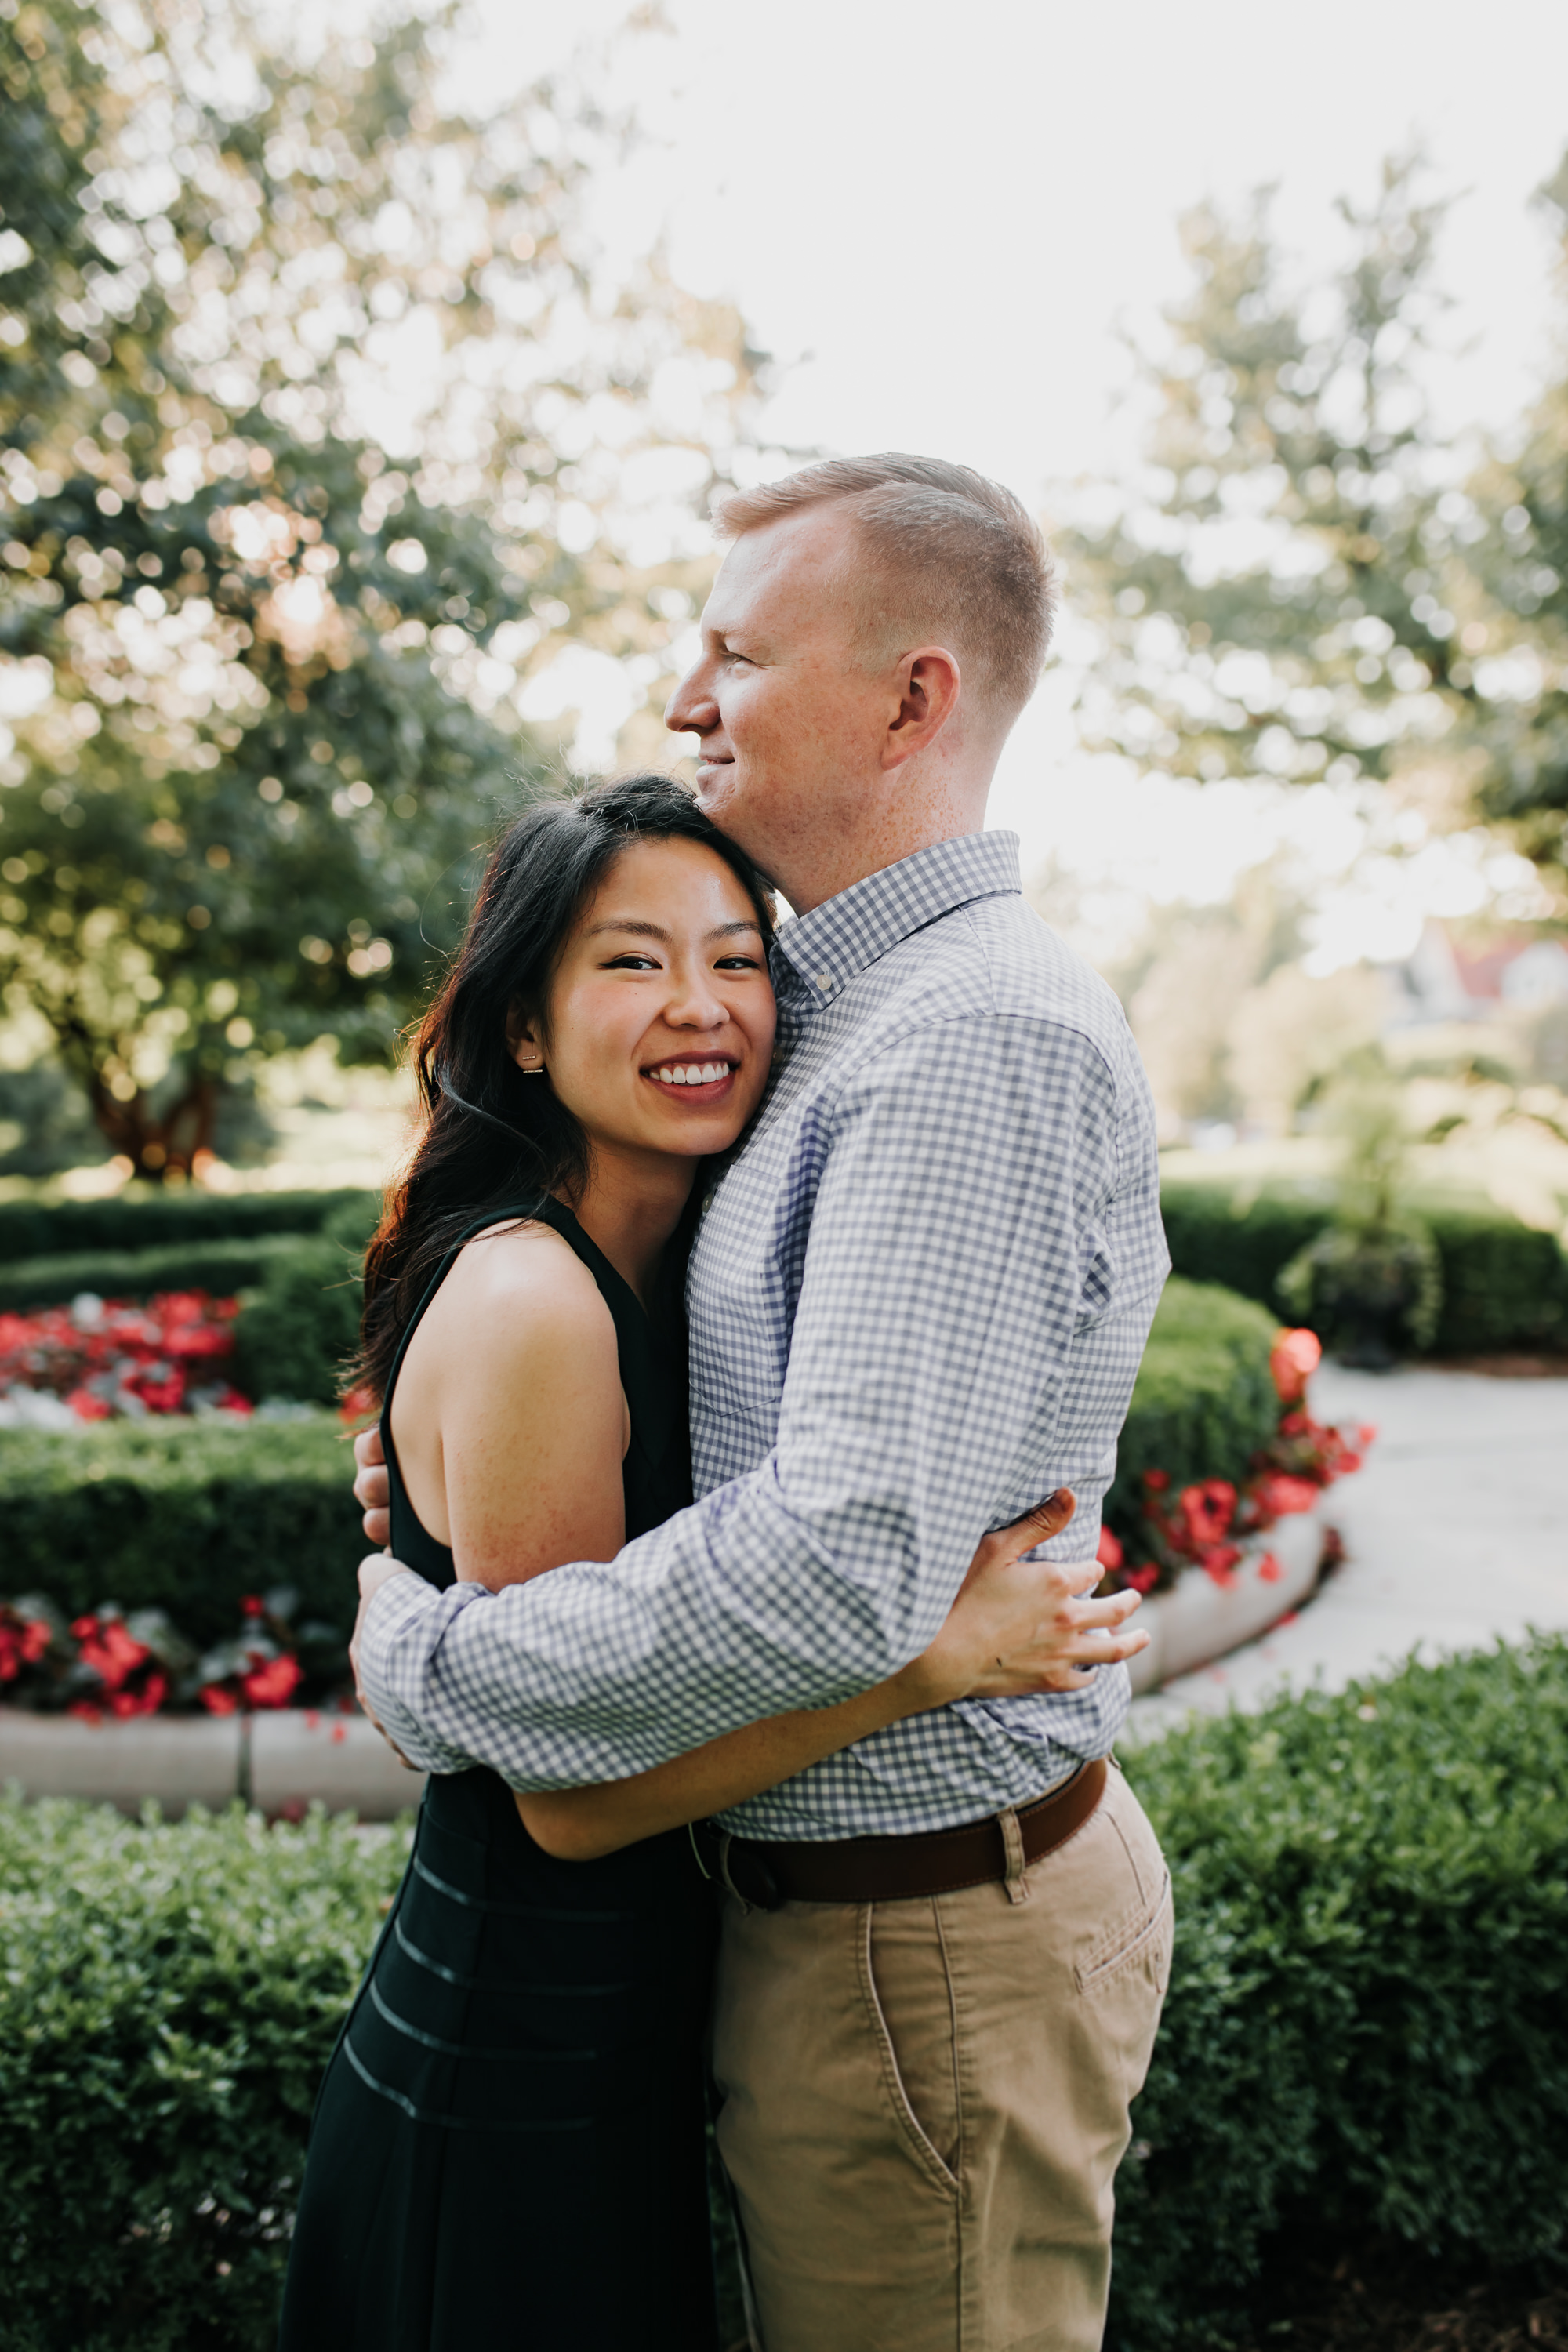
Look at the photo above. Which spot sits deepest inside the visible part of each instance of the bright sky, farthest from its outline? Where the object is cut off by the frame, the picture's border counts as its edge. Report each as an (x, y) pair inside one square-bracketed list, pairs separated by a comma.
[(940, 218)]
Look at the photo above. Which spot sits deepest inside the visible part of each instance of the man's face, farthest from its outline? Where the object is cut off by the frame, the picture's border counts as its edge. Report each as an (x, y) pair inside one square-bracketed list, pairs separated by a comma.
[(791, 723)]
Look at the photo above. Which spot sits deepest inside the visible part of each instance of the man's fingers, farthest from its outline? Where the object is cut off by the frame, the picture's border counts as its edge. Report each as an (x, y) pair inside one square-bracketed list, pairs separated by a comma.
[(377, 1526), (368, 1448), (1046, 1519)]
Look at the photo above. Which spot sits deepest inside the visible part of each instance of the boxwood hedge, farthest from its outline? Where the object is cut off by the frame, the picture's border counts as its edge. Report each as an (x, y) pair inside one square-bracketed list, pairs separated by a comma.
[(190, 1516), (1365, 2020), (169, 1996), (1365, 2023), (141, 1218), (1204, 1400), (222, 1267), (1505, 1285), (184, 1516)]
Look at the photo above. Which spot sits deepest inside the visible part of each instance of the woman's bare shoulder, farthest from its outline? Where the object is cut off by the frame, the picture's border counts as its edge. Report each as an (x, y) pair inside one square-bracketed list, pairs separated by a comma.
[(519, 1288)]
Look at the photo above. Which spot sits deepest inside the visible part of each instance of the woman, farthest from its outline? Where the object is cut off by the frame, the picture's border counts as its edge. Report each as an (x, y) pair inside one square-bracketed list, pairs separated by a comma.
[(508, 2148)]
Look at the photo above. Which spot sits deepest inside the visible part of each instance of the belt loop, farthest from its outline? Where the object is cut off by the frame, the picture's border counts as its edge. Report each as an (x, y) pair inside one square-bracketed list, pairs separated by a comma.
[(725, 1843), (1016, 1881)]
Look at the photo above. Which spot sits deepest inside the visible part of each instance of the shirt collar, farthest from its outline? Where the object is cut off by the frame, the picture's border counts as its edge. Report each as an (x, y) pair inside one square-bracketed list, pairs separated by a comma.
[(837, 939)]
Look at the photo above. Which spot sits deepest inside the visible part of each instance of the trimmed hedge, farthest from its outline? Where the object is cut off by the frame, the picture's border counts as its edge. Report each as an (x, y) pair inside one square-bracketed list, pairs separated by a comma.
[(1505, 1285), (139, 1219), (1204, 1400), (190, 1516), (294, 1334), (184, 1516), (1365, 2021), (169, 1996), (221, 1268)]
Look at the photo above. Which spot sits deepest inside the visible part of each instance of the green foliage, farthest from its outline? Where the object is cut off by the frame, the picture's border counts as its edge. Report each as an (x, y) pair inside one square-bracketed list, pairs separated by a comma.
[(1505, 1285), (1372, 1293), (139, 1219), (1293, 586), (169, 1996), (1205, 1400), (293, 1336), (1365, 2016), (221, 1268), (187, 1516), (276, 717), (1365, 2020)]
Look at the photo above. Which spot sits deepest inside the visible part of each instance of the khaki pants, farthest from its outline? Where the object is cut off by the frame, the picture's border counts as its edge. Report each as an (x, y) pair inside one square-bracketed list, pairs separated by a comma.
[(925, 2103)]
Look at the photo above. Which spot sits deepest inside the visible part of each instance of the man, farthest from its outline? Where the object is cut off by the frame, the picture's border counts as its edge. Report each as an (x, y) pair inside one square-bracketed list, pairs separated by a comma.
[(917, 1299)]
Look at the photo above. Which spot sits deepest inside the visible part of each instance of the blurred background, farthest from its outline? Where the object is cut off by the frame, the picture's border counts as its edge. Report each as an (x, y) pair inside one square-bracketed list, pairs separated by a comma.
[(364, 382)]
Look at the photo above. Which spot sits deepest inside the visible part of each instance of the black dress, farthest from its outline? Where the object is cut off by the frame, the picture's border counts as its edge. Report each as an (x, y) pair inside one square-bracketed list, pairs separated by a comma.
[(508, 2147)]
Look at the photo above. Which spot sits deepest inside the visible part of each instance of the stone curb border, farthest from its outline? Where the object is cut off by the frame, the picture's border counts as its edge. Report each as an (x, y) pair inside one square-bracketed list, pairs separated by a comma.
[(282, 1761), (1198, 1621)]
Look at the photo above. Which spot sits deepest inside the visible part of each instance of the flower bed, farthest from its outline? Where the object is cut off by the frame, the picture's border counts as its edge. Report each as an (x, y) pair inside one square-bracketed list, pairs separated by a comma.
[(109, 1359), (106, 1663), (1209, 1523)]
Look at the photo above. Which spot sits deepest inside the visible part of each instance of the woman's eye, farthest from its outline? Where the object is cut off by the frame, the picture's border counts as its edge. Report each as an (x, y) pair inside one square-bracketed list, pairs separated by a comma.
[(737, 963), (631, 963)]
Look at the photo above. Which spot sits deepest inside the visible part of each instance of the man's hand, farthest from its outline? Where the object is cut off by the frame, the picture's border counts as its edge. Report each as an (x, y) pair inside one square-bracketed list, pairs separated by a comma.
[(1022, 1626), (372, 1488), (374, 1573)]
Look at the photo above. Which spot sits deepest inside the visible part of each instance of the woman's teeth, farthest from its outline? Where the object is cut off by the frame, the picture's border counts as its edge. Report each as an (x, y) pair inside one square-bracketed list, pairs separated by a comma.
[(691, 1074)]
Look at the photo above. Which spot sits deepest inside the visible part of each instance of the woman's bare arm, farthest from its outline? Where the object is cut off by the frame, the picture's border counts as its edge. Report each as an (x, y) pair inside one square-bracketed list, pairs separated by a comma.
[(1017, 1626), (508, 1415)]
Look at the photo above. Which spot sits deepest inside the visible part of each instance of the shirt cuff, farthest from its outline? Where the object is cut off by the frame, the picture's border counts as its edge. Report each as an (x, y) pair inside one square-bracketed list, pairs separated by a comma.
[(401, 1631)]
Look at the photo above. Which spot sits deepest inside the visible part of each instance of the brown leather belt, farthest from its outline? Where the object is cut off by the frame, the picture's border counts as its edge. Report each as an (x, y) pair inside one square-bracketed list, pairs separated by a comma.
[(898, 1869)]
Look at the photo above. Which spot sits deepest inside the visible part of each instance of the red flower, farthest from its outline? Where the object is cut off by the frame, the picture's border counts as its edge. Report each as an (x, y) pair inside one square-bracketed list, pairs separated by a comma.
[(1109, 1550), (111, 1653), (1294, 1358), (274, 1682), (1156, 1481), (1208, 1511), (357, 1403), (88, 1407), (1269, 1570), (251, 1607), (1277, 1495), (217, 1698), (1140, 1580)]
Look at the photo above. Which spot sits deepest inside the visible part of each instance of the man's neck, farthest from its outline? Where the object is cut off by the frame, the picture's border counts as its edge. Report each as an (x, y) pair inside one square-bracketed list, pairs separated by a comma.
[(837, 868)]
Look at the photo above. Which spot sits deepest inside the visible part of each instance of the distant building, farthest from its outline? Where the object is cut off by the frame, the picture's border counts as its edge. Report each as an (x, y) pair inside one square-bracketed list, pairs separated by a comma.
[(1443, 983)]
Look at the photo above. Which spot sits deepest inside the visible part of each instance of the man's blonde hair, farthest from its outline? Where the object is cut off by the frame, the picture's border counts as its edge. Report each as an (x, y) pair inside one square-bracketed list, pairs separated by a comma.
[(943, 555)]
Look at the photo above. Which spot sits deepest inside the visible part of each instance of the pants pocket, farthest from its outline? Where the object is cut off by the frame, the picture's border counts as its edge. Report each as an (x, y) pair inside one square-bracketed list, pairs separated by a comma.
[(908, 2001)]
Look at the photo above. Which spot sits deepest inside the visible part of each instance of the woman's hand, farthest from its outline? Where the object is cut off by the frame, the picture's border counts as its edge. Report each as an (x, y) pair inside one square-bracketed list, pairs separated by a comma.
[(1021, 1626)]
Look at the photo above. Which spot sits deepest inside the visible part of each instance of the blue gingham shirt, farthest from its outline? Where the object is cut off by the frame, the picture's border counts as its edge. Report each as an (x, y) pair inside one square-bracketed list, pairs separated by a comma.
[(918, 1298)]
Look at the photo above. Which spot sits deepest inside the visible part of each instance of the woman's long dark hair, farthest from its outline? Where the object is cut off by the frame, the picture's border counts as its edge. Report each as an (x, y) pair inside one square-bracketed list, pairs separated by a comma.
[(491, 1137)]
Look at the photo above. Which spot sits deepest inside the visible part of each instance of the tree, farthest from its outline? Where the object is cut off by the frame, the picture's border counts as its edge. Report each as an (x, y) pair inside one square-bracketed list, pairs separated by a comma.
[(1521, 722), (1305, 582), (274, 673), (1280, 593)]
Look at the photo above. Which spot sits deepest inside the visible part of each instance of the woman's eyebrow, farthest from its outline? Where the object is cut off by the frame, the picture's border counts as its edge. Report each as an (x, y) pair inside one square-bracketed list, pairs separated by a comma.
[(656, 932)]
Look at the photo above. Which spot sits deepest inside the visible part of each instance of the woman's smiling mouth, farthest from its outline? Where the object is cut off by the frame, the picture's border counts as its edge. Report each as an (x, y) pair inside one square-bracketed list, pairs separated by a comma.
[(693, 1081)]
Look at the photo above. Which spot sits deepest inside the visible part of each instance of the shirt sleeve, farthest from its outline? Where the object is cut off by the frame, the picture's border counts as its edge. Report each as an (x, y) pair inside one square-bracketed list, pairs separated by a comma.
[(961, 1240)]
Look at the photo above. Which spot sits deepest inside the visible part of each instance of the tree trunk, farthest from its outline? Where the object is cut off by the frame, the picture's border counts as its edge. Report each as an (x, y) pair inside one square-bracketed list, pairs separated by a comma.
[(158, 1148)]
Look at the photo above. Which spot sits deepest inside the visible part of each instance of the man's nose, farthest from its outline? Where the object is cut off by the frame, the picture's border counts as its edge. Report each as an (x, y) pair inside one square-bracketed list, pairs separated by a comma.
[(691, 709)]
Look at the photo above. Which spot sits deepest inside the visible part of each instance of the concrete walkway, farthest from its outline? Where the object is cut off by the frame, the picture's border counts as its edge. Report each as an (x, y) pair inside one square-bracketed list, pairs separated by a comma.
[(1456, 1532)]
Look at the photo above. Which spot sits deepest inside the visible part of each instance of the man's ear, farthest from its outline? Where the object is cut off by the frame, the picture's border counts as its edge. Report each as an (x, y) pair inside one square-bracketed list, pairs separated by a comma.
[(931, 683)]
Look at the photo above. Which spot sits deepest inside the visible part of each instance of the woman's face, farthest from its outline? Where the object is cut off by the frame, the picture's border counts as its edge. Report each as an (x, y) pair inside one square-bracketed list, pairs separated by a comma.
[(658, 1029)]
